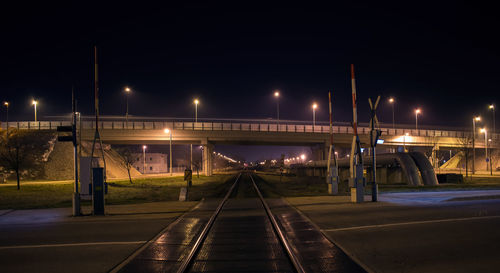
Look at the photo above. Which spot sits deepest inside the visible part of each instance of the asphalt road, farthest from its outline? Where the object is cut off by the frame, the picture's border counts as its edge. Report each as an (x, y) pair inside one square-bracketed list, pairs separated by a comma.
[(52, 241), (424, 234)]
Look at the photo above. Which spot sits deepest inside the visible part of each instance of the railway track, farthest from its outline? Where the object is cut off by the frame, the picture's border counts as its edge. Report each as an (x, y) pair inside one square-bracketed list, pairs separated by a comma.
[(240, 233), (187, 264)]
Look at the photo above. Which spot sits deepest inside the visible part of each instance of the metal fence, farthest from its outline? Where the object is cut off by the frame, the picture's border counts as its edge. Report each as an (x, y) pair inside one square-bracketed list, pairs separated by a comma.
[(237, 126)]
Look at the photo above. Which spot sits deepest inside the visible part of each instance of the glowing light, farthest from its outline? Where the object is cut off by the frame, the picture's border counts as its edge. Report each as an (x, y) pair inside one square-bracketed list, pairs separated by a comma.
[(34, 102), (391, 100), (491, 106), (302, 156), (315, 106), (417, 111), (144, 147), (6, 103), (166, 130), (196, 101), (482, 130), (276, 94), (127, 89), (477, 118)]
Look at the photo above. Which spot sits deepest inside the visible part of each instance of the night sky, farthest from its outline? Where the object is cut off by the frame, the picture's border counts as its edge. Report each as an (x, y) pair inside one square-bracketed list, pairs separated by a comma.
[(442, 57)]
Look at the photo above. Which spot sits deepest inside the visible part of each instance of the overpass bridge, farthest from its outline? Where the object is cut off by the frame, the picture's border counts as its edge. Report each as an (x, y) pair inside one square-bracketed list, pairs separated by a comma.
[(208, 133)]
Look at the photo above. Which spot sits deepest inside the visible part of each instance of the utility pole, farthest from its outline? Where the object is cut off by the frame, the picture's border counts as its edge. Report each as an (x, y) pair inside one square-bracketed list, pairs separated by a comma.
[(474, 119)]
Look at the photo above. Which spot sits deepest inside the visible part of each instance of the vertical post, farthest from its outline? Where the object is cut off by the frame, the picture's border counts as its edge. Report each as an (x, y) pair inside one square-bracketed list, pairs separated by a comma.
[(126, 114), (171, 172), (144, 159), (486, 147), (76, 194), (473, 145), (393, 123)]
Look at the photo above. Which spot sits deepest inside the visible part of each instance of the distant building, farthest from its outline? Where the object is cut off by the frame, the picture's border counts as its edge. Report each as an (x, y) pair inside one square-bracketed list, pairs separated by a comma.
[(152, 163)]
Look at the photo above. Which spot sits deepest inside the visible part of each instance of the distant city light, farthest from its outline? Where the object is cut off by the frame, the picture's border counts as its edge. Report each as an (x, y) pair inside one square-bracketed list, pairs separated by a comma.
[(491, 106), (127, 89), (302, 156), (391, 100), (6, 103), (276, 94)]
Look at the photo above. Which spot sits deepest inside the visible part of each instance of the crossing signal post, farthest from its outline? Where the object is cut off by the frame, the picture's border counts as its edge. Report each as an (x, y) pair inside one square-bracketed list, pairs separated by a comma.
[(374, 135)]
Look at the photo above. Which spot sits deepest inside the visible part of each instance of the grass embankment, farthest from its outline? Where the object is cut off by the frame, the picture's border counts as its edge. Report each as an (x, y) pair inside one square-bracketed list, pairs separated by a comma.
[(273, 185), (51, 195)]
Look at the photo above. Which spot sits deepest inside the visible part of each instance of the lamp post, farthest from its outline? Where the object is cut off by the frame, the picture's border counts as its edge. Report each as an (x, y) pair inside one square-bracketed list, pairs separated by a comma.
[(34, 102), (474, 119), (314, 106), (485, 132), (417, 111), (277, 96), (143, 159), (391, 101), (196, 102), (127, 91), (168, 131), (404, 142), (6, 104), (492, 108)]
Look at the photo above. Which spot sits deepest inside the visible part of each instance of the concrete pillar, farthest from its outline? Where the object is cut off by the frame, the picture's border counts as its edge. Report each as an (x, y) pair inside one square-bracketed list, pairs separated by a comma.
[(320, 152), (208, 151)]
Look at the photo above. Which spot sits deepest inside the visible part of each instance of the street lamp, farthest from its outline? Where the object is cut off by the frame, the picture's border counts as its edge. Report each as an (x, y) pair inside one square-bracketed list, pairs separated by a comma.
[(127, 92), (168, 131), (277, 96), (303, 157), (404, 142), (391, 101), (34, 102), (314, 106), (196, 102), (144, 159), (485, 132), (417, 111), (492, 108), (6, 104), (474, 119)]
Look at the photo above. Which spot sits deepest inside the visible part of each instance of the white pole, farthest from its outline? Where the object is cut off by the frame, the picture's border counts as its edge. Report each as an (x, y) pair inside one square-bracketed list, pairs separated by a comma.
[(171, 155)]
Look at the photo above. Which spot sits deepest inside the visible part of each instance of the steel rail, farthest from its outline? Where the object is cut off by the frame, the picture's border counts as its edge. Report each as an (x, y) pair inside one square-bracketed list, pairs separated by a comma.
[(284, 241), (185, 264)]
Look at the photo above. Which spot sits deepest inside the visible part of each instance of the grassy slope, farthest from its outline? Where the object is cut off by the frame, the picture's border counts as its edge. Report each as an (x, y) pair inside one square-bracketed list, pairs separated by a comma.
[(47, 195)]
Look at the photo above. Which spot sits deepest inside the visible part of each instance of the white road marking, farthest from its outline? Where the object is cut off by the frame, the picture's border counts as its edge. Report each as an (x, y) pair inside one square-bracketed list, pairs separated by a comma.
[(73, 244), (412, 223)]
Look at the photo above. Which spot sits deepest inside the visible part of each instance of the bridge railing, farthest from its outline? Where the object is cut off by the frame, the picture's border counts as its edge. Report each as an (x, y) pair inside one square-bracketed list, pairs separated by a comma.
[(237, 126)]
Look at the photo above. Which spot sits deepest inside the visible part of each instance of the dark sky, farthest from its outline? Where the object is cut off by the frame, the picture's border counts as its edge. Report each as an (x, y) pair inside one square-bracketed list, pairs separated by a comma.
[(442, 57)]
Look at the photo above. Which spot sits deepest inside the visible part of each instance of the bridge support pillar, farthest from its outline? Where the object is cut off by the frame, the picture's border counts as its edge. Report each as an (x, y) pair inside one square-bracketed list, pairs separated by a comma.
[(208, 150), (320, 152)]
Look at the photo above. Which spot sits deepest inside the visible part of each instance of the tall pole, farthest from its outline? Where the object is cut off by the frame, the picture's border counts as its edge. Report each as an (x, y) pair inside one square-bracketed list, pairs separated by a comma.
[(417, 111), (314, 114), (277, 95), (486, 146), (391, 100), (171, 172), (6, 103), (34, 104), (144, 159), (474, 144), (126, 114), (492, 107)]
